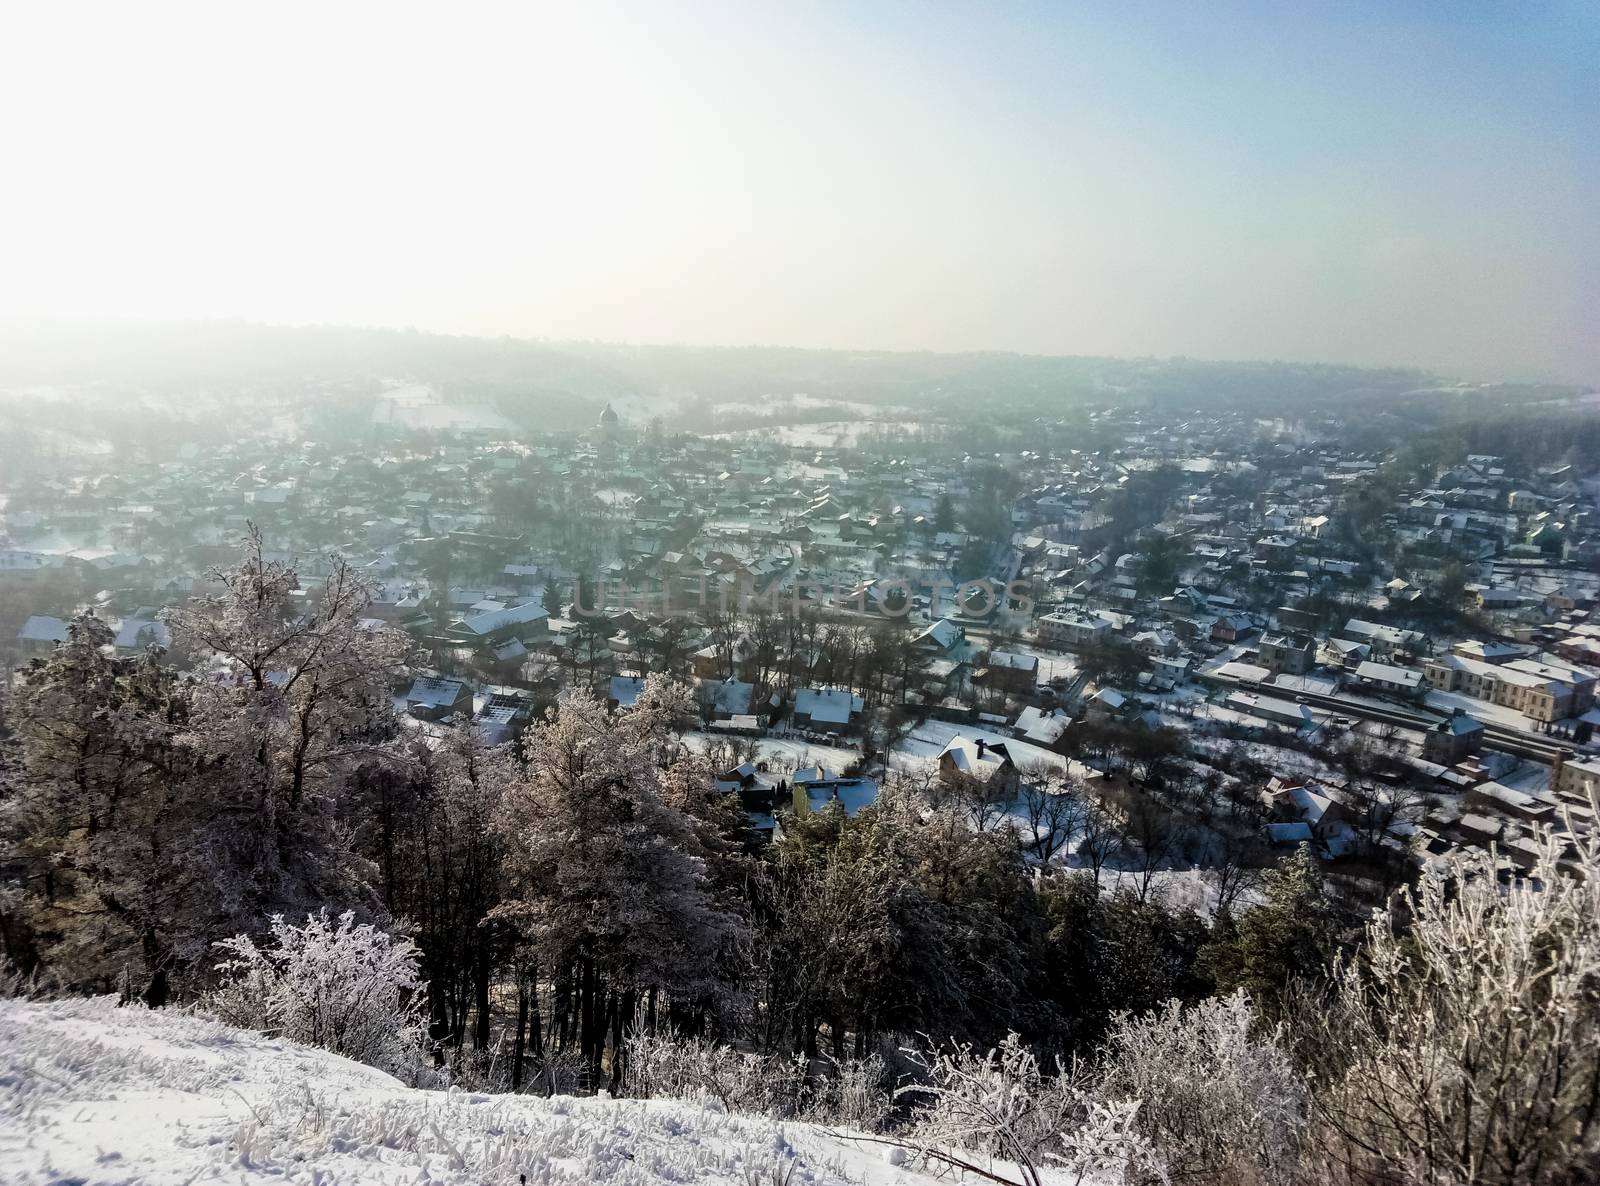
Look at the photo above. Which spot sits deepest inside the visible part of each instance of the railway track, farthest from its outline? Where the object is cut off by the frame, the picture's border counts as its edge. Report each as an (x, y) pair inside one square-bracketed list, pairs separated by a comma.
[(1500, 737)]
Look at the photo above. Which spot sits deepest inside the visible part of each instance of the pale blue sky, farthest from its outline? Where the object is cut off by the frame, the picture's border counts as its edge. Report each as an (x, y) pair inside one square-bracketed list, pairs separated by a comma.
[(1411, 183)]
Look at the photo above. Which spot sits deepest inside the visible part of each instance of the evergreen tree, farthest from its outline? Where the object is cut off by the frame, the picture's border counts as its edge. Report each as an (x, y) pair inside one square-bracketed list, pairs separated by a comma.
[(97, 829), (606, 879), (1291, 934)]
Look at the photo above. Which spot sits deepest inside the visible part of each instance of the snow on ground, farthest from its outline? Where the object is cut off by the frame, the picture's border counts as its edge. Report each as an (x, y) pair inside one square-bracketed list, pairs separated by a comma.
[(1276, 758), (94, 1094), (1494, 714), (417, 406), (832, 434), (785, 753)]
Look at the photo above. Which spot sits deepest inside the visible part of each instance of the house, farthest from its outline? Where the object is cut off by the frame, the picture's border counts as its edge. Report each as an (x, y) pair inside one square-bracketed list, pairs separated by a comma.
[(141, 632), (1384, 640), (1044, 728), (1575, 779), (1492, 599), (942, 638), (1010, 671), (1453, 739), (1156, 643), (829, 709), (40, 634), (713, 660), (1289, 835), (1107, 705), (987, 761), (1075, 631), (1232, 628), (1385, 677), (503, 712), (493, 628), (1287, 654), (816, 787), (624, 691), (724, 699), (433, 699), (1496, 798), (1312, 804), (1271, 708), (758, 792), (1546, 690), (1345, 653), (1490, 652)]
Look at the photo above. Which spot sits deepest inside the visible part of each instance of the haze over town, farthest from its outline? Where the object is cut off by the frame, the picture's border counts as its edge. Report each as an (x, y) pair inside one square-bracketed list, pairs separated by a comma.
[(1366, 183)]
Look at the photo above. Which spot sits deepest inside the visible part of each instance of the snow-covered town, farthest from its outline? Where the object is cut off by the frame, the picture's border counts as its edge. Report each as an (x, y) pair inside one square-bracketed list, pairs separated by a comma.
[(1277, 639), (840, 594)]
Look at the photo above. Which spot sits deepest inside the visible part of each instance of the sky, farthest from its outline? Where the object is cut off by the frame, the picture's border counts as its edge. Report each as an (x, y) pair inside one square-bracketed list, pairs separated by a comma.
[(1405, 183)]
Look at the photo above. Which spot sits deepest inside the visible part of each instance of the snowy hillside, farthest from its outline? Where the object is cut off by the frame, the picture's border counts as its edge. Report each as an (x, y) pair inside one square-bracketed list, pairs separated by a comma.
[(90, 1093)]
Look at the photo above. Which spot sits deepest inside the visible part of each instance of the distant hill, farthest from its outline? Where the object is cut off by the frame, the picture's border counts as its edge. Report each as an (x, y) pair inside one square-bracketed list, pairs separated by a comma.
[(564, 385)]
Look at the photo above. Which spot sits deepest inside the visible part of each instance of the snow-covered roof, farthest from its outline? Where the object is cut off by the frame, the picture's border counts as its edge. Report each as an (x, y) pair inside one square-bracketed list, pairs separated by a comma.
[(830, 706), (1298, 832), (968, 756), (944, 634), (1388, 673), (1040, 727), (137, 633), (435, 693), (41, 628), (517, 615), (1013, 660), (729, 695), (625, 689)]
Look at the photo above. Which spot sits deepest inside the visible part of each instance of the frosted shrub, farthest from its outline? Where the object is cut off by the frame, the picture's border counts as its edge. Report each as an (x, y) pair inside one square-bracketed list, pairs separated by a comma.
[(330, 983), (1002, 1106), (674, 1066), (1215, 1098), (856, 1093), (1466, 1048), (859, 1094)]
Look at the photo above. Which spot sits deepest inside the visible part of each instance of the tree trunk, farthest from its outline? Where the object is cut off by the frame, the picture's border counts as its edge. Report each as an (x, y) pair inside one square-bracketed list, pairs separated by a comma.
[(480, 987), (519, 1046)]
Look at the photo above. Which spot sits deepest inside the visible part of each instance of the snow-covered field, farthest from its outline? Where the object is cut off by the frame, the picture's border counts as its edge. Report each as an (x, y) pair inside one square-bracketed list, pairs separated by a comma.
[(91, 1094), (785, 753)]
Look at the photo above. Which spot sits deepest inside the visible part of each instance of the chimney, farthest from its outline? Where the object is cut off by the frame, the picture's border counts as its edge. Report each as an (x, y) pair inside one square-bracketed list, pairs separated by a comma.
[(982, 746), (1563, 756)]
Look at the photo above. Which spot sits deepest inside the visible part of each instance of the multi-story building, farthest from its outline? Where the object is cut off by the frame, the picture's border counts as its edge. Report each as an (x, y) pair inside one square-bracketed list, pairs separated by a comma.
[(1287, 654), (1541, 691), (1076, 630)]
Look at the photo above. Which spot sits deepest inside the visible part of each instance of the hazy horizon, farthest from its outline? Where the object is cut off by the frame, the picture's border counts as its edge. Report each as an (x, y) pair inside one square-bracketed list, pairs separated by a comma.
[(1358, 185)]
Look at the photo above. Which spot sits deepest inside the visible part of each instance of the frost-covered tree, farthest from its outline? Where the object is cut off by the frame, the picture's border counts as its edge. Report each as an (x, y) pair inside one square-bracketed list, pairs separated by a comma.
[(607, 880), (330, 982), (901, 919), (96, 827), (298, 698), (1217, 1095), (1290, 934), (428, 825), (976, 1109), (1465, 1047)]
